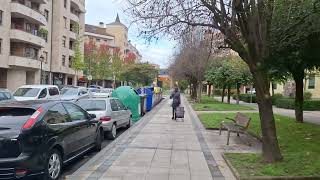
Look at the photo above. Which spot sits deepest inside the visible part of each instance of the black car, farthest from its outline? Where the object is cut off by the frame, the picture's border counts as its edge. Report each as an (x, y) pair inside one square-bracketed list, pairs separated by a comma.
[(38, 137)]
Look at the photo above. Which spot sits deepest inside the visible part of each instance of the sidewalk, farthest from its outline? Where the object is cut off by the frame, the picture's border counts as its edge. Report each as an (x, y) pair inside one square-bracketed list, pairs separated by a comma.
[(158, 148), (309, 116)]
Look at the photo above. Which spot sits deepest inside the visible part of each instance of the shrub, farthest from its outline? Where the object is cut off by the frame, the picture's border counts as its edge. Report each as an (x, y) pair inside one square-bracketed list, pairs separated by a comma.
[(275, 97), (307, 96), (289, 103), (217, 92), (247, 98)]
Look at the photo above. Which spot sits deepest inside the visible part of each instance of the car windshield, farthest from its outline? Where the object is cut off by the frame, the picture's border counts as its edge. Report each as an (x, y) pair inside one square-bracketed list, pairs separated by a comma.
[(69, 91), (5, 96), (27, 92), (92, 105)]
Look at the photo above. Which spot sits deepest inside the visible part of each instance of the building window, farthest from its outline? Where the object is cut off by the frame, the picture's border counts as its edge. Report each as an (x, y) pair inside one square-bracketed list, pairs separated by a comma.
[(312, 81), (0, 46), (70, 61), (64, 39), (63, 60), (98, 40), (65, 22), (46, 14), (1, 15), (45, 57), (65, 4)]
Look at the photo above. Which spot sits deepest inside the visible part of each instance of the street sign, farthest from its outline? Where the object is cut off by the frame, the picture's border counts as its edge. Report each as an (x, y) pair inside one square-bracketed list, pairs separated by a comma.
[(90, 78)]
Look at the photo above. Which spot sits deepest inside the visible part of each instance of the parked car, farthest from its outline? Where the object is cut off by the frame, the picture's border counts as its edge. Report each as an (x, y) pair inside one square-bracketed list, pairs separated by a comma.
[(103, 93), (110, 111), (72, 93), (5, 95), (36, 92), (93, 90), (96, 86), (38, 137)]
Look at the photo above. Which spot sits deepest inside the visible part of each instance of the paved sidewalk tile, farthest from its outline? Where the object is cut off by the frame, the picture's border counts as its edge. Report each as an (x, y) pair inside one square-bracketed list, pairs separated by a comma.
[(158, 149)]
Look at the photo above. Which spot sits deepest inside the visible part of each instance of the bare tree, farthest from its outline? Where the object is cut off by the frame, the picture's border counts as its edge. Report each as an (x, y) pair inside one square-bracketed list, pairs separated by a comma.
[(246, 26)]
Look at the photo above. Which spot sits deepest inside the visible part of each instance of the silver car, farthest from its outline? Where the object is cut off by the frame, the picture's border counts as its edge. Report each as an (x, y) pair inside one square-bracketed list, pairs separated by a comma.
[(5, 95), (73, 93), (110, 111)]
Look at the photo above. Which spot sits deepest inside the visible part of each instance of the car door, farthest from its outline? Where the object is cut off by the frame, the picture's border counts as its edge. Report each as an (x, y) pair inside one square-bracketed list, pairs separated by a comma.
[(115, 112), (122, 113), (81, 121)]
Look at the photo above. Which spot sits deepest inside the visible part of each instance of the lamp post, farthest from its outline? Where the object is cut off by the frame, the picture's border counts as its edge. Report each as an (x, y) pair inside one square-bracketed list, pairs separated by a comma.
[(41, 61)]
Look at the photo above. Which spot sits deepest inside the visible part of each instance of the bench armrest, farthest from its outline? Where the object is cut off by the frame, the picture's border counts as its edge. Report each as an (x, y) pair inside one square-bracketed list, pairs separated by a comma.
[(231, 119)]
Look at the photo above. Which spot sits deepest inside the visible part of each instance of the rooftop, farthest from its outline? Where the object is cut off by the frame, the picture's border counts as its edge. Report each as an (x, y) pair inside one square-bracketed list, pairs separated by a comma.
[(97, 30)]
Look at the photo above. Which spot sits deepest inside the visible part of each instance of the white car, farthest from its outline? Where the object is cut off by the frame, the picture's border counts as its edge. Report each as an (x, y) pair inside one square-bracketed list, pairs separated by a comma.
[(73, 93), (110, 111), (103, 93), (36, 92)]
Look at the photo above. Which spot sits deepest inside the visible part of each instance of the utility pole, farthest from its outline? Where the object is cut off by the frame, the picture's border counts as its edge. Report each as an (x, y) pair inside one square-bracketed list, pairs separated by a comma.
[(41, 73)]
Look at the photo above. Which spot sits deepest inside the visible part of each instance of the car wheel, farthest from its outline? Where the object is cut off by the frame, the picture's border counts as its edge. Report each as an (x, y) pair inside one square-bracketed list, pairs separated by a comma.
[(53, 165), (98, 142), (113, 133)]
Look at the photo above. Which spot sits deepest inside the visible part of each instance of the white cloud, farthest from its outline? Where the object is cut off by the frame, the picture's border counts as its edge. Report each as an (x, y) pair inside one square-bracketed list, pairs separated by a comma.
[(106, 11)]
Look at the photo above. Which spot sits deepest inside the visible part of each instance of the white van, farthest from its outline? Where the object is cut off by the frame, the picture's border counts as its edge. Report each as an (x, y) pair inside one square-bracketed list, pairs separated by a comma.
[(36, 92)]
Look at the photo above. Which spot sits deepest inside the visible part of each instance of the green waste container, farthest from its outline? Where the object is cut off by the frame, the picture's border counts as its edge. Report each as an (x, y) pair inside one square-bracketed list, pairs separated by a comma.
[(130, 98)]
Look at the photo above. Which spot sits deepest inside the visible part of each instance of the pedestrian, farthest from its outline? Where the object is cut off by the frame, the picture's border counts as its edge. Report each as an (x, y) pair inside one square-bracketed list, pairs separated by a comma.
[(176, 101)]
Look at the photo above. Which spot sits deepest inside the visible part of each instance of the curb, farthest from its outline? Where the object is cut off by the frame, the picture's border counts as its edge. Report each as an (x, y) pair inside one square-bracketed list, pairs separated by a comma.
[(238, 177)]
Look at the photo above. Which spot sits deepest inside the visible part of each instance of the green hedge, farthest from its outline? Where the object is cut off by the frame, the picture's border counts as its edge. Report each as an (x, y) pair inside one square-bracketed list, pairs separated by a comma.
[(288, 103), (247, 98)]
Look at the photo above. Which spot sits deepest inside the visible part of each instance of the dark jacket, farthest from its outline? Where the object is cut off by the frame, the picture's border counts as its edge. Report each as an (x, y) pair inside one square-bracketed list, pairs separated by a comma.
[(176, 100)]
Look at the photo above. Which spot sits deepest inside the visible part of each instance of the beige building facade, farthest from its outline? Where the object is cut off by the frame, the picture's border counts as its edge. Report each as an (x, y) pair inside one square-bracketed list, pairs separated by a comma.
[(36, 41)]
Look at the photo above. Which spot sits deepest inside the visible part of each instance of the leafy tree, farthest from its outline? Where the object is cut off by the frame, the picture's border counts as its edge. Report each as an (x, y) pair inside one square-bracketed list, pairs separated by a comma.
[(140, 74), (289, 46), (78, 60)]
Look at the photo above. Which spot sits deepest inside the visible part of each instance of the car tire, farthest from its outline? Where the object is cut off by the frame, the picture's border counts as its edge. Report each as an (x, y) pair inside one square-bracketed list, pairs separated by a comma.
[(112, 134), (53, 165), (98, 142)]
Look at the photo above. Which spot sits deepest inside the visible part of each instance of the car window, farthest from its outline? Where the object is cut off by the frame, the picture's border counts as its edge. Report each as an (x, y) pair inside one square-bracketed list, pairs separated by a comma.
[(92, 105), (69, 91), (120, 105), (53, 91), (56, 115), (83, 91), (75, 113), (27, 92), (43, 93), (114, 105), (4, 96)]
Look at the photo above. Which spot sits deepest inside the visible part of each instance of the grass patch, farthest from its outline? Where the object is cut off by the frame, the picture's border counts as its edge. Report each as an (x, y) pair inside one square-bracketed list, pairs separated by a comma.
[(299, 143), (210, 104)]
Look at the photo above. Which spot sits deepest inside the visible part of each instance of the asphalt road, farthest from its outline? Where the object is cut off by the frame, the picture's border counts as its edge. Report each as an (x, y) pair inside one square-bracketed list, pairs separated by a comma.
[(73, 166)]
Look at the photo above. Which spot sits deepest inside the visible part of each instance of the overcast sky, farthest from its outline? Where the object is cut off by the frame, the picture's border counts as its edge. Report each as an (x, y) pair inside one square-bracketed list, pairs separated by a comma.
[(106, 11)]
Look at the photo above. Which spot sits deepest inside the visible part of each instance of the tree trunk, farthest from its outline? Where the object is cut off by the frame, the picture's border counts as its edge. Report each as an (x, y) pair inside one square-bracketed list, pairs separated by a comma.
[(298, 78), (270, 147), (199, 92), (209, 93), (238, 93), (272, 87), (223, 93), (229, 94), (194, 91)]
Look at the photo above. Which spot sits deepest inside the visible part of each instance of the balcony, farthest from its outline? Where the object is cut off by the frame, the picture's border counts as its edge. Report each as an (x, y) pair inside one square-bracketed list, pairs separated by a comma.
[(32, 37), (74, 17), (80, 4), (23, 61), (19, 10)]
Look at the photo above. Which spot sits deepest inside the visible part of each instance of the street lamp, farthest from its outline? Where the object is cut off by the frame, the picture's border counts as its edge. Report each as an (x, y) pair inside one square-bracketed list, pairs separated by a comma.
[(41, 61)]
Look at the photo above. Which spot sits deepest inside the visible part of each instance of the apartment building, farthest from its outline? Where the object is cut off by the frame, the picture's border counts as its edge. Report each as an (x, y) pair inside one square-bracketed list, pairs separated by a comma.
[(36, 41), (99, 36)]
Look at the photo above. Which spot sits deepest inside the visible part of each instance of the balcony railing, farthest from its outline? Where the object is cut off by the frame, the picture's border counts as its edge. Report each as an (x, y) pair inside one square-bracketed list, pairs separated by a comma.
[(29, 6), (34, 32), (25, 55)]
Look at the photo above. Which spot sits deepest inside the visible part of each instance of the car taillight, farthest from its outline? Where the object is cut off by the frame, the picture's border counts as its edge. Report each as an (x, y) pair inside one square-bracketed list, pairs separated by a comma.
[(105, 118), (32, 120)]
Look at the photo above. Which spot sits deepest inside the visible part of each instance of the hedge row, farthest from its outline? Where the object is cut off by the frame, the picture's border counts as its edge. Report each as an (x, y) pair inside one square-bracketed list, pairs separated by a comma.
[(289, 103), (246, 98)]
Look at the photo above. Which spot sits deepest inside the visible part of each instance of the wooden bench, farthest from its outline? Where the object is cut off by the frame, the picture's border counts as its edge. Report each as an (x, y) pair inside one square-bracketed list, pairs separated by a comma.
[(239, 125)]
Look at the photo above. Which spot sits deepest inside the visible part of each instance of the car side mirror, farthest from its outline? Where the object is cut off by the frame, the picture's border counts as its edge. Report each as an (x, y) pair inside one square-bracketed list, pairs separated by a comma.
[(93, 116)]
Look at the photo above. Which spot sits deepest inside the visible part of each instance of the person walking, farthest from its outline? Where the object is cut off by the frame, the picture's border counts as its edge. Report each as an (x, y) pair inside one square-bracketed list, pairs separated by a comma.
[(176, 101)]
